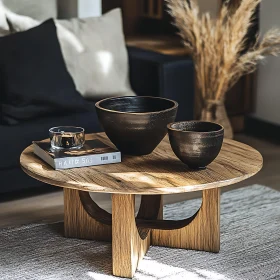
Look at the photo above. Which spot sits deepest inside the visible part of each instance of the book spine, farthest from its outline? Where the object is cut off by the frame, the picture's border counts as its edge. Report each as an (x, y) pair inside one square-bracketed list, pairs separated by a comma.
[(90, 160)]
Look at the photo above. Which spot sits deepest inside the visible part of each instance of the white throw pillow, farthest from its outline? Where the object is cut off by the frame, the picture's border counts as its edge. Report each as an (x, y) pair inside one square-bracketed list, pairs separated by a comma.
[(21, 23), (102, 70), (4, 27), (37, 9)]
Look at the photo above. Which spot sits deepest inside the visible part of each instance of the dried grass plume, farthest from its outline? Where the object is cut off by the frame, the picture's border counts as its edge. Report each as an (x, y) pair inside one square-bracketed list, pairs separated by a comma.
[(218, 46)]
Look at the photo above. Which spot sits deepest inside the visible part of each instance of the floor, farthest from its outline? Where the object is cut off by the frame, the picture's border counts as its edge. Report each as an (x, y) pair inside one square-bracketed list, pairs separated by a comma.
[(48, 207)]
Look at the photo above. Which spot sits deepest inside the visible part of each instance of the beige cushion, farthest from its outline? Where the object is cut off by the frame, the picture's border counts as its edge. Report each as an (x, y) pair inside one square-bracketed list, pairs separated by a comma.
[(21, 23), (4, 27), (102, 70), (36, 9)]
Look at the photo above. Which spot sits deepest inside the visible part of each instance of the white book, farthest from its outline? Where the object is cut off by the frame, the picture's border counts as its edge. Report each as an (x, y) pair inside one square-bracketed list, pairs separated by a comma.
[(94, 152)]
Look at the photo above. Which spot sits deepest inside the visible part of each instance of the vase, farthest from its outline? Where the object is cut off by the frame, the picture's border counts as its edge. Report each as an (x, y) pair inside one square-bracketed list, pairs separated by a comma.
[(215, 111)]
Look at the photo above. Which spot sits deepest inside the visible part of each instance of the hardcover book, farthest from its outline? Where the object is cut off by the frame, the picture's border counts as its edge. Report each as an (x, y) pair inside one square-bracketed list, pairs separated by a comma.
[(94, 152)]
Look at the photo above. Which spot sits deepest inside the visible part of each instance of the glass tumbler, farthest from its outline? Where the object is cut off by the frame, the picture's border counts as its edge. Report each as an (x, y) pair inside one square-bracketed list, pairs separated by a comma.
[(67, 137)]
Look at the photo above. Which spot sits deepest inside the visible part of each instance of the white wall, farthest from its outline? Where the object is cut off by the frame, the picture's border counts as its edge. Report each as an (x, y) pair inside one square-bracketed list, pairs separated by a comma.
[(89, 8), (268, 86), (79, 8)]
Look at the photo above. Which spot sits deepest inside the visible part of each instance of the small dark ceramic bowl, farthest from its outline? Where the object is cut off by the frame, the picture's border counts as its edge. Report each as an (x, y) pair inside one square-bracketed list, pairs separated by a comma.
[(136, 124), (196, 143)]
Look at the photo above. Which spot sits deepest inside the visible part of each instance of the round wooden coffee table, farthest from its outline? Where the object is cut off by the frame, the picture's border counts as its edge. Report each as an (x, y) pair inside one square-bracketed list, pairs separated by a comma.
[(151, 176)]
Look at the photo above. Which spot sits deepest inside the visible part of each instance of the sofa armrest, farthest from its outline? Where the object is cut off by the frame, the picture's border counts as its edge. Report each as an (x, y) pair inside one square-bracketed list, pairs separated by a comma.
[(166, 76)]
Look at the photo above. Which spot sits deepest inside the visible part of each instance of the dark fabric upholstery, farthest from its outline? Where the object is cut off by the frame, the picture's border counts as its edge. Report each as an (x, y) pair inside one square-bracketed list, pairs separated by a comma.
[(165, 76), (14, 179)]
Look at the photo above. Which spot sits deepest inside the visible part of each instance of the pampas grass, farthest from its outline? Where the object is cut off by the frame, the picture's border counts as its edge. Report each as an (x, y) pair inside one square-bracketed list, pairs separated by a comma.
[(218, 46)]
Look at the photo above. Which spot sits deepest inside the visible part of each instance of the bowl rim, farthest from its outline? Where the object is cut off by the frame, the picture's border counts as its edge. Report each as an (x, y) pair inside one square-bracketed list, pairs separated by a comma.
[(175, 105), (169, 126)]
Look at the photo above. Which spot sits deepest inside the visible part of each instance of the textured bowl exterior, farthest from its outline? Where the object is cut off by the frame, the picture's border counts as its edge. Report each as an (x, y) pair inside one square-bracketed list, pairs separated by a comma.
[(136, 133), (195, 149)]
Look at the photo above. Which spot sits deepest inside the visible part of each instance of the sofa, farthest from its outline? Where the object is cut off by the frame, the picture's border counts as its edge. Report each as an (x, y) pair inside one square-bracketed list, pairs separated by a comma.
[(151, 74)]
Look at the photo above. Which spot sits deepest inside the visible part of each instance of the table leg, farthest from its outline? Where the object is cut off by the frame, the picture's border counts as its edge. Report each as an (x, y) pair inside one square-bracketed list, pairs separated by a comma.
[(130, 244), (201, 233), (83, 218)]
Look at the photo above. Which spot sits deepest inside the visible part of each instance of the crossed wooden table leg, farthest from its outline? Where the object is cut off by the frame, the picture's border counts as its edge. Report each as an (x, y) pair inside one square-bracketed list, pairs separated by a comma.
[(132, 236)]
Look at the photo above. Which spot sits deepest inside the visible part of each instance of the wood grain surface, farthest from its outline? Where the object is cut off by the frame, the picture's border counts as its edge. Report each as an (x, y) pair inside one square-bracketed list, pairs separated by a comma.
[(78, 223), (128, 248), (168, 45), (158, 173), (201, 233)]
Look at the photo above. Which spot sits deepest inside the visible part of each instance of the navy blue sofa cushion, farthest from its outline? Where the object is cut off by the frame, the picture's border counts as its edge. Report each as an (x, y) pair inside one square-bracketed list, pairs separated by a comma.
[(14, 179), (34, 81)]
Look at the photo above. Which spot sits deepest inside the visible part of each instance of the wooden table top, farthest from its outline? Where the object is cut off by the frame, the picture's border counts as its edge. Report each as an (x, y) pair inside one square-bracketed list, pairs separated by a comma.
[(158, 173)]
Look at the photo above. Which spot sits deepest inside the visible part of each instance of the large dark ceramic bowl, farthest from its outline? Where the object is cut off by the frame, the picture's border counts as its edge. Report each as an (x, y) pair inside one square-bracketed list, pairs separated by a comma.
[(136, 124), (196, 143)]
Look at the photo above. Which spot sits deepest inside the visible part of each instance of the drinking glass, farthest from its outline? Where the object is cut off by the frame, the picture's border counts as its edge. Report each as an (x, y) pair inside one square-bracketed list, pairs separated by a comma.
[(67, 137)]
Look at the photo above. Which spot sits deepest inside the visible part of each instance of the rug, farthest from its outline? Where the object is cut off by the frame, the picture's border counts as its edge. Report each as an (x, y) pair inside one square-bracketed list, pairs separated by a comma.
[(250, 247)]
